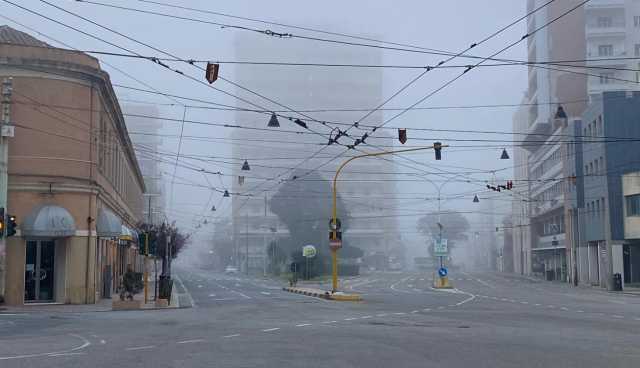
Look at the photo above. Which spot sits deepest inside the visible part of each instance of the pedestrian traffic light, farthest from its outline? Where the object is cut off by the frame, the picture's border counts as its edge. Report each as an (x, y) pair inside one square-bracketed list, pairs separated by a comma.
[(142, 238), (11, 225), (437, 147)]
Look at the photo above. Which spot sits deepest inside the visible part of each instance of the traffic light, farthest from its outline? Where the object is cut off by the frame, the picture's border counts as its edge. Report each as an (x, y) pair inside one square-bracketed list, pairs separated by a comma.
[(142, 237), (509, 184), (437, 147), (2, 222), (11, 225)]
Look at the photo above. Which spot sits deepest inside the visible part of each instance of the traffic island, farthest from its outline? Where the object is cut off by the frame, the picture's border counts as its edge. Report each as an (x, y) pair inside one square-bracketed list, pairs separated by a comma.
[(317, 293)]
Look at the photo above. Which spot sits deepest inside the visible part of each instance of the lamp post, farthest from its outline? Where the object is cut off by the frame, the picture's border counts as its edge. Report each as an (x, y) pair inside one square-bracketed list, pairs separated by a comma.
[(334, 212)]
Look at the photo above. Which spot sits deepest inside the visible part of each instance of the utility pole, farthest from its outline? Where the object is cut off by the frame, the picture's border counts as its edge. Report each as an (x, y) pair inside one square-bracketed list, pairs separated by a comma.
[(7, 131), (334, 213), (246, 238)]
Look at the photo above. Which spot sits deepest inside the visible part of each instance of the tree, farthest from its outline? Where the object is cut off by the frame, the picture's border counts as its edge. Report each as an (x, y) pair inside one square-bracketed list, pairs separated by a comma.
[(454, 227), (303, 204)]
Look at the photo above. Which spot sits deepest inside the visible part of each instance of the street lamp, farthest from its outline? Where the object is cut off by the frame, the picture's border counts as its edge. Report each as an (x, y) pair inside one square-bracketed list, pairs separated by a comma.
[(273, 122)]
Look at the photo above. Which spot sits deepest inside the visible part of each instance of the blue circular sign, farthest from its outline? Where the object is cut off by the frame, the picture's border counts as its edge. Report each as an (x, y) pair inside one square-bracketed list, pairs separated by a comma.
[(442, 272)]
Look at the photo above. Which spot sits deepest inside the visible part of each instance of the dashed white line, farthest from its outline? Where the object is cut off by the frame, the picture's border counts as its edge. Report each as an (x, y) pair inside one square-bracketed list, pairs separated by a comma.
[(381, 315), (564, 308), (328, 322), (66, 354), (230, 336), (415, 311), (303, 325), (190, 341), (212, 295), (350, 319), (636, 318), (617, 316), (580, 311), (427, 309), (146, 347), (399, 313), (551, 306), (265, 293), (524, 302), (271, 329), (366, 317), (241, 294), (441, 307), (537, 304)]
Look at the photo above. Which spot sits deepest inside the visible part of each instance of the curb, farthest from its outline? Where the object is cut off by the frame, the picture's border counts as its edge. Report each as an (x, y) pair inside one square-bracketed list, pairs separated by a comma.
[(324, 295)]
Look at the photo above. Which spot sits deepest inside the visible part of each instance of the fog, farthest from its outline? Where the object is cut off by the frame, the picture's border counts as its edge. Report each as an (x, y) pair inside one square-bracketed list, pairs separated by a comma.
[(441, 25)]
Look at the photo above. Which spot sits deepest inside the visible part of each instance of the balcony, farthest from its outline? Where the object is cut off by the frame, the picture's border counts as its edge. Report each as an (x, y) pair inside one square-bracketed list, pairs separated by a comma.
[(616, 30)]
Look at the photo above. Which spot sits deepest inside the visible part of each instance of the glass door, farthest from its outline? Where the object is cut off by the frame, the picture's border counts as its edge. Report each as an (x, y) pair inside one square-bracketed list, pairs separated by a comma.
[(39, 271)]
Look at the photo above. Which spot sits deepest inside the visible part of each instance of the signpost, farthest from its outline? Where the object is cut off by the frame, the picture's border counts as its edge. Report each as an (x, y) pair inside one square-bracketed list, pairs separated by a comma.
[(440, 248), (308, 251)]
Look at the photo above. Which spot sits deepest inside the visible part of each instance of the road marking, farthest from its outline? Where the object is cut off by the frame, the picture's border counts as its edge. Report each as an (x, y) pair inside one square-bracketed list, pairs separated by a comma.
[(190, 341), (212, 295), (147, 347), (399, 313), (580, 311), (421, 279), (349, 319), (265, 293), (327, 322), (271, 329), (636, 318), (524, 302), (617, 316), (193, 303), (230, 336), (366, 317), (242, 295), (551, 306), (427, 309), (220, 299), (415, 311), (85, 343), (199, 286), (537, 304), (103, 342), (564, 308), (303, 325), (441, 307), (504, 299), (66, 354), (12, 314)]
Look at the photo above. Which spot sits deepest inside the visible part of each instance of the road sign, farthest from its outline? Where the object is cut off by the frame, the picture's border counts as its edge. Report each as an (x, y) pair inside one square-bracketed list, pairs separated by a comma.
[(309, 251), (335, 243), (442, 272), (440, 248)]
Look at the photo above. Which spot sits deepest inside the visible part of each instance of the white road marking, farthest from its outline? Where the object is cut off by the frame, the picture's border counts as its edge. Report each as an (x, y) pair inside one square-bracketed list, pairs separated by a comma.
[(327, 322), (636, 318), (524, 302), (349, 319), (242, 295), (85, 343), (399, 313), (381, 315), (271, 329), (12, 314), (427, 309), (230, 336), (537, 304), (421, 279), (365, 317), (212, 295), (415, 311), (441, 307), (190, 341), (220, 299), (265, 293), (199, 286), (617, 316), (179, 280), (303, 325), (564, 308), (146, 347), (551, 306), (66, 354), (103, 342), (580, 311)]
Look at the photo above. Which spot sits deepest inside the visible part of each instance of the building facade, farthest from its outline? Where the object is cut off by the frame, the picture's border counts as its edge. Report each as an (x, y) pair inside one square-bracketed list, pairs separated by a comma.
[(609, 192), (74, 183), (549, 87), (612, 29)]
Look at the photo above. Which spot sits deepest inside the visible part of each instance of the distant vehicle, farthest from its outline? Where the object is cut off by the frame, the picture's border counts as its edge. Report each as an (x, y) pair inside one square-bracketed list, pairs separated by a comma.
[(231, 269)]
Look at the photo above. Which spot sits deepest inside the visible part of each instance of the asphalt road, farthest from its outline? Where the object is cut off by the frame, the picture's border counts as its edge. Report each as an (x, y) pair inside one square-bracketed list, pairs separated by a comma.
[(489, 320)]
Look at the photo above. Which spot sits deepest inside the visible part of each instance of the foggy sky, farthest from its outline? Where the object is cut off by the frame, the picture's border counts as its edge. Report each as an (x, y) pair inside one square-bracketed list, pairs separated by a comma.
[(449, 25)]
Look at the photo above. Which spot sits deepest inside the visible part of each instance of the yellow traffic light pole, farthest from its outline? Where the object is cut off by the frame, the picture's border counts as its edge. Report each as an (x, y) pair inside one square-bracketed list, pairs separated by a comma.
[(334, 211), (146, 274)]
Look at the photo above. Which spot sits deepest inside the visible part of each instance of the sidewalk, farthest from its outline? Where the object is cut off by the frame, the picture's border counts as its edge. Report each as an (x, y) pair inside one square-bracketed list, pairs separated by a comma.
[(102, 305)]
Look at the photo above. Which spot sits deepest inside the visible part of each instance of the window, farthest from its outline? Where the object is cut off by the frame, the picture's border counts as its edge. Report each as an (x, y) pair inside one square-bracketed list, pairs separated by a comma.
[(605, 50), (597, 210), (596, 168), (636, 21), (604, 22), (637, 48), (605, 78), (602, 164), (591, 168), (586, 169), (633, 205)]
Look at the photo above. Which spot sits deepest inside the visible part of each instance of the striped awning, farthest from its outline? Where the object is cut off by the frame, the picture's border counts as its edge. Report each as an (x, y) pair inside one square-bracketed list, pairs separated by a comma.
[(108, 224)]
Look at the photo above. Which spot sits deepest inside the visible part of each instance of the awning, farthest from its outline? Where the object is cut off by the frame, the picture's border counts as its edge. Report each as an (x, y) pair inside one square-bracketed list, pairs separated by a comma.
[(126, 233), (48, 221), (108, 224)]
